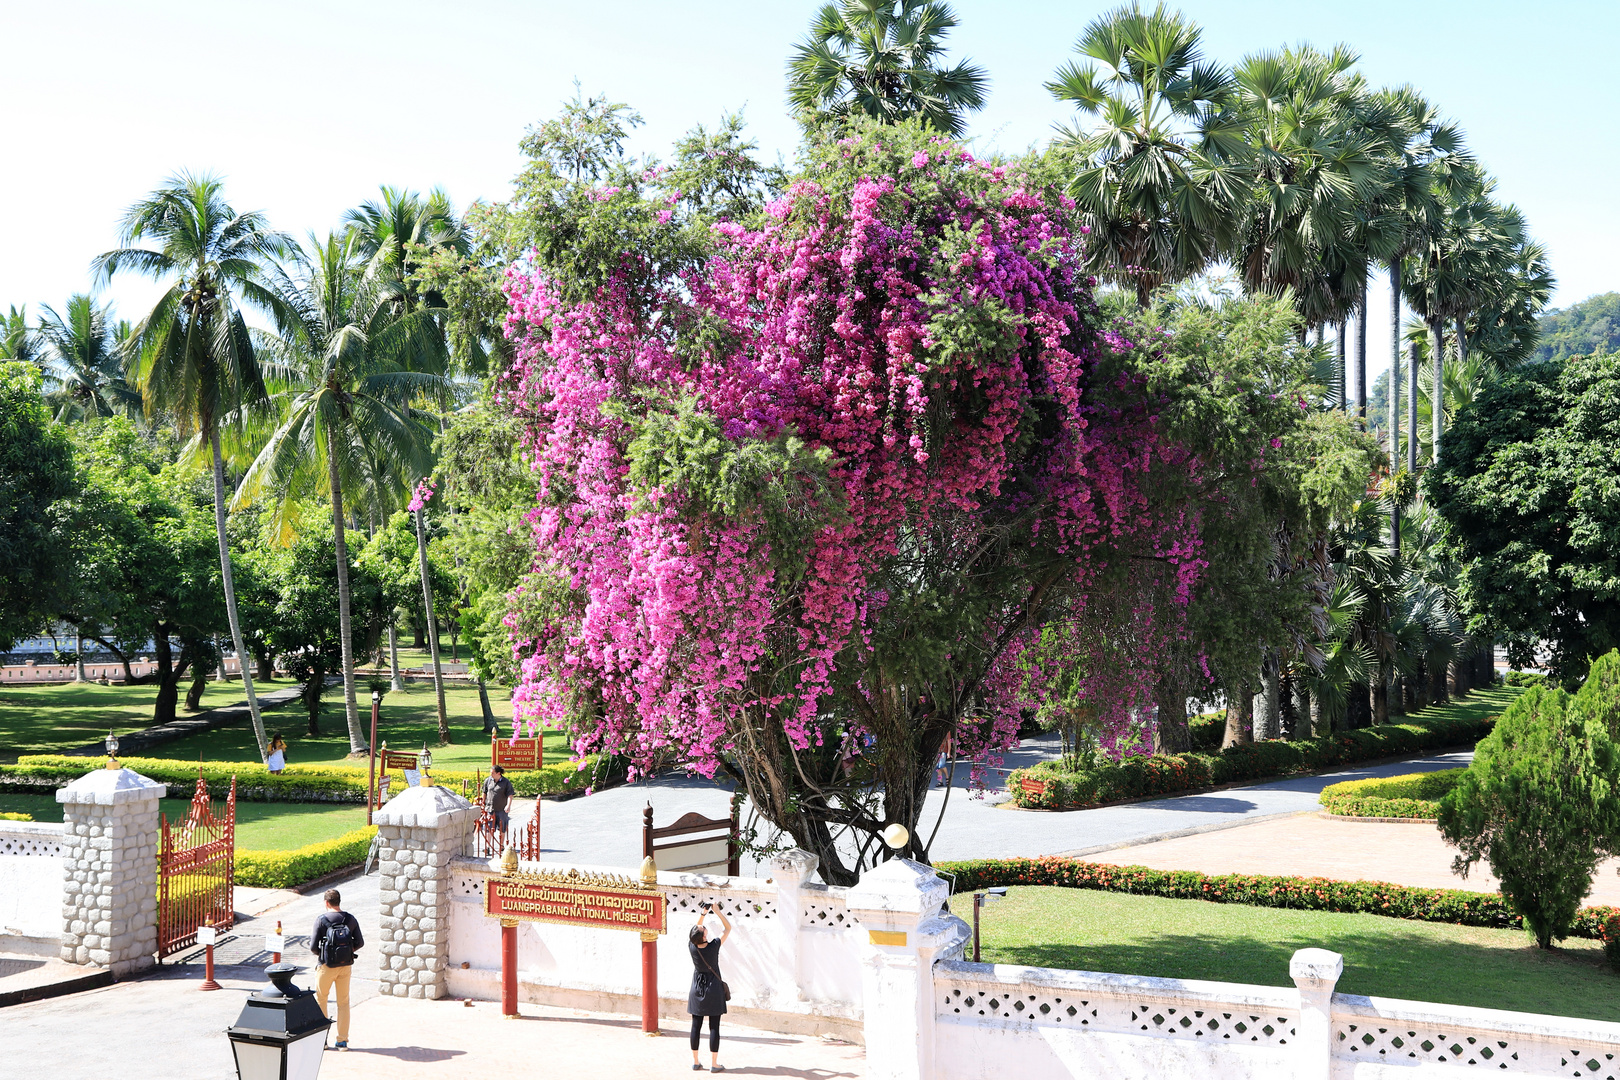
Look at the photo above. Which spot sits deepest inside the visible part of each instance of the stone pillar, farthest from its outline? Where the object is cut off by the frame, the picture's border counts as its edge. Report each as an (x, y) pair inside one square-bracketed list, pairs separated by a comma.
[(899, 906), (420, 830), (789, 871), (109, 870), (1315, 972)]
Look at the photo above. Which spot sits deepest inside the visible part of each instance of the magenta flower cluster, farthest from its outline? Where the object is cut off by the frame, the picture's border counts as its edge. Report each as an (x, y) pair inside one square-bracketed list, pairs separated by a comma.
[(928, 330)]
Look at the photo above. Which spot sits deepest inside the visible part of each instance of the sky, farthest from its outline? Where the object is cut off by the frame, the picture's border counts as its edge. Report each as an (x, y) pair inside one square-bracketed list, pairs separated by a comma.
[(304, 108)]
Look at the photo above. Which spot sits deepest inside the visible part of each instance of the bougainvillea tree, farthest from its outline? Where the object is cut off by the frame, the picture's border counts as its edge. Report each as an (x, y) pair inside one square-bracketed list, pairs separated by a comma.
[(807, 512)]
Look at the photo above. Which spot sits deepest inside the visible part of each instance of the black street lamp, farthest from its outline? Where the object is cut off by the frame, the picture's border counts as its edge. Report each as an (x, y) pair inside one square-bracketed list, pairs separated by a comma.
[(979, 900), (281, 1033)]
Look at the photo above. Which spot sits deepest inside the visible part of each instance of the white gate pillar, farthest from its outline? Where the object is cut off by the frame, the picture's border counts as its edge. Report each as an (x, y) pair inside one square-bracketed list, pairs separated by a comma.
[(899, 905), (789, 871), (1315, 972), (109, 870)]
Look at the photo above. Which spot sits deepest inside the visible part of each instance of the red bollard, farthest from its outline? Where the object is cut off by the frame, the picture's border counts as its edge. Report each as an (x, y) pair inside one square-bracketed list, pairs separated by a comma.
[(649, 983), (277, 955), (208, 982), (509, 1006)]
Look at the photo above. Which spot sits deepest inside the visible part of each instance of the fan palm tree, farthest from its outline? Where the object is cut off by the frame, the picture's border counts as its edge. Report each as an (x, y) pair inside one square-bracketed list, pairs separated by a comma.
[(1155, 177), (352, 364), (85, 362), (192, 356), (883, 59)]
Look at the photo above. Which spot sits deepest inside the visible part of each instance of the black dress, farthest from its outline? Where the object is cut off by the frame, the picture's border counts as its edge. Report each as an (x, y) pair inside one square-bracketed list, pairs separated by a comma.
[(707, 997)]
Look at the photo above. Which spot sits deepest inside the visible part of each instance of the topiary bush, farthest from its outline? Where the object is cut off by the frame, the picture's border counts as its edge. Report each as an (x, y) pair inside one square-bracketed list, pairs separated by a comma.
[(290, 869), (1149, 775), (1412, 795), (1524, 678), (1540, 801)]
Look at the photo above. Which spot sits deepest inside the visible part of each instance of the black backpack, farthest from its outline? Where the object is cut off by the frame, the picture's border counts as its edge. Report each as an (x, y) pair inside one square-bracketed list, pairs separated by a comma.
[(337, 946)]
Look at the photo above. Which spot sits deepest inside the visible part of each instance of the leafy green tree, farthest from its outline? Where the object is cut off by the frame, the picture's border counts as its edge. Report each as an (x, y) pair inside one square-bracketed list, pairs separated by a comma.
[(884, 59), (1154, 178), (85, 353), (36, 476), (355, 366), (1526, 482), (1541, 800), (194, 356), (1591, 326)]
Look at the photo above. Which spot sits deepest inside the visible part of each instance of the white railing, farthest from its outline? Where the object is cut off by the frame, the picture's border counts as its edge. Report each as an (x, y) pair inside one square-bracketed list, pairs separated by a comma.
[(1371, 1035), (31, 838)]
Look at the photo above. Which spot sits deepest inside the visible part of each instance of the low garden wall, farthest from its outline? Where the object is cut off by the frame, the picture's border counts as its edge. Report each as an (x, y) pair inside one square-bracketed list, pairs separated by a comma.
[(30, 888)]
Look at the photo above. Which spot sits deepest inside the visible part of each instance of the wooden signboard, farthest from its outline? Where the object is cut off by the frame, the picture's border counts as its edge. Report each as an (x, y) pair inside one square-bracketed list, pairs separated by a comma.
[(393, 759), (604, 901), (515, 753)]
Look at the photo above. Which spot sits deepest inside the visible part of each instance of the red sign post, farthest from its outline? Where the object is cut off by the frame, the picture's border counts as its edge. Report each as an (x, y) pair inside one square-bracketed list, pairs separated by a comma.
[(606, 901)]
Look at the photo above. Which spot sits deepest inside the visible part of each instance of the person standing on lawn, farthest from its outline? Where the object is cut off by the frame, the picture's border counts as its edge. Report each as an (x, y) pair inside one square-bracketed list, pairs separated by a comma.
[(278, 754), (334, 942), (498, 796), (709, 992)]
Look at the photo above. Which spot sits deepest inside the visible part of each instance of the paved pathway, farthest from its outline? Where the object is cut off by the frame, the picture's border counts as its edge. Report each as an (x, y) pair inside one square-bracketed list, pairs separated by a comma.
[(1316, 845)]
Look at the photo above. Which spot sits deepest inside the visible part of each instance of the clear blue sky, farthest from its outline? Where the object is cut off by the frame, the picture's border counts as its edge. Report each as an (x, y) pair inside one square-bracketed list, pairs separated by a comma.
[(305, 107)]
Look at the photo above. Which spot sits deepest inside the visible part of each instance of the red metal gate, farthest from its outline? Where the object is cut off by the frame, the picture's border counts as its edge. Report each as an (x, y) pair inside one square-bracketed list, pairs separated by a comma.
[(196, 859)]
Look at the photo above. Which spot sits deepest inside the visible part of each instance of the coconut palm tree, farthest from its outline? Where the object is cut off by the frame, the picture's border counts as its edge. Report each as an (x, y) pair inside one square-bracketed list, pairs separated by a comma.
[(884, 59), (191, 356), (350, 366), (85, 354), (17, 341), (1157, 174)]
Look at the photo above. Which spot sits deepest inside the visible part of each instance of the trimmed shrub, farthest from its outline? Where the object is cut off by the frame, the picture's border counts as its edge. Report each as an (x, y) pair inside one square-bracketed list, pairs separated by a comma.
[(1539, 801), (1412, 795), (1611, 939), (1260, 890), (1207, 731), (289, 869), (1145, 775), (1524, 678), (16, 817), (298, 783)]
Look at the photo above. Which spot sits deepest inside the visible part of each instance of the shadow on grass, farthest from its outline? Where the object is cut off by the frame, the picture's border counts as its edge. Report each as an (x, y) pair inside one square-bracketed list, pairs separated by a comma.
[(1390, 963)]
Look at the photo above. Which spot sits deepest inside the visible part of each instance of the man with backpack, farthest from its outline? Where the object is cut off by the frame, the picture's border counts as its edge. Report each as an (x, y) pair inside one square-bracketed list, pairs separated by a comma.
[(334, 942)]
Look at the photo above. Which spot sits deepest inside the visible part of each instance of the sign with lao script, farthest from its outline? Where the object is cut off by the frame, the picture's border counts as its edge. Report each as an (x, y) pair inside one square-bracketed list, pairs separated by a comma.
[(516, 753), (600, 900)]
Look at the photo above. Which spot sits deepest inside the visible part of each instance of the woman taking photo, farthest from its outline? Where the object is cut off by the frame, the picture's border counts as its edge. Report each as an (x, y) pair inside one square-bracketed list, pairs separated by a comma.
[(708, 994)]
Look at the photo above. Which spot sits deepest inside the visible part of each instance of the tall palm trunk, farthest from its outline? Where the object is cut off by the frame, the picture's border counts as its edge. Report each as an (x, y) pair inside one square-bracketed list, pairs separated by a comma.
[(432, 627), (1339, 370), (1395, 365), (1437, 357), (1411, 410), (230, 594), (394, 682), (1268, 709), (357, 735), (78, 658), (490, 723), (1361, 350)]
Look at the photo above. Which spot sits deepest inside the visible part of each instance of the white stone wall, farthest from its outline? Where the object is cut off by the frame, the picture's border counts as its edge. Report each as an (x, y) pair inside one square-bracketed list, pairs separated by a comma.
[(420, 831), (31, 838), (109, 865)]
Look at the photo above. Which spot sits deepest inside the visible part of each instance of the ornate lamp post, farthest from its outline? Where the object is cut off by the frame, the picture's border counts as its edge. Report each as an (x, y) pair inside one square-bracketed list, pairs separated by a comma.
[(112, 750), (281, 1032)]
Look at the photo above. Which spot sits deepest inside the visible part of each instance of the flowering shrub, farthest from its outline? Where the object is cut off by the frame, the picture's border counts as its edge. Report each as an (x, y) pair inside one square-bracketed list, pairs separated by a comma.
[(1135, 777), (1260, 890), (807, 507)]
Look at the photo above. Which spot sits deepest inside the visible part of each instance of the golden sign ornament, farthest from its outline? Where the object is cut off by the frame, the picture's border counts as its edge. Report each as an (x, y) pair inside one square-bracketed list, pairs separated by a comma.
[(575, 898)]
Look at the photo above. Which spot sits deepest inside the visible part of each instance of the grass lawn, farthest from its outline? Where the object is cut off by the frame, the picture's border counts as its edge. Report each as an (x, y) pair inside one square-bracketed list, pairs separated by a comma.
[(408, 719), (259, 826), (1476, 706), (1193, 939), (50, 719)]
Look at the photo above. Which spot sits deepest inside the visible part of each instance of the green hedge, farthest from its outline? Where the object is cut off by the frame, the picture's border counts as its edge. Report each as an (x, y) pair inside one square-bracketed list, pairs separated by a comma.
[(1524, 678), (1173, 774), (1412, 795), (16, 817), (299, 783), (1611, 939), (289, 869), (1258, 890)]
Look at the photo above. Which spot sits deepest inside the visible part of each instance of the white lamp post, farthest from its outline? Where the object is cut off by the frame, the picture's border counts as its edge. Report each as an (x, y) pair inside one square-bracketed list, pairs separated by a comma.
[(281, 1032)]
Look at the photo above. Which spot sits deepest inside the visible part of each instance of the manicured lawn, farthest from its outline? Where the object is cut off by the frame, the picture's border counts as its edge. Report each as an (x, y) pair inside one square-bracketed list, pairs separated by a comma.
[(1477, 705), (259, 826), (1192, 939), (50, 719), (407, 719)]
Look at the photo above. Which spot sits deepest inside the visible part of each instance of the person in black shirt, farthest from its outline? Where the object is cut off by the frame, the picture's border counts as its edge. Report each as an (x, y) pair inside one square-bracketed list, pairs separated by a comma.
[(498, 796), (708, 994), (334, 941)]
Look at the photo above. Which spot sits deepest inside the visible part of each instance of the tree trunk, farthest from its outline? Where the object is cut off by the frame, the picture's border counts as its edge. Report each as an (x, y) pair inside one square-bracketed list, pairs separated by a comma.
[(1457, 678), (1319, 724), (1397, 691), (1411, 410), (1378, 704), (417, 640), (219, 670), (1341, 370), (266, 670), (311, 692), (1437, 389), (1170, 734), (230, 594), (1288, 714), (432, 628), (78, 657), (483, 703), (394, 682), (1437, 683), (1395, 370), (1485, 660), (1361, 350), (199, 683), (168, 679), (357, 735), (1239, 716), (1358, 709), (1268, 716)]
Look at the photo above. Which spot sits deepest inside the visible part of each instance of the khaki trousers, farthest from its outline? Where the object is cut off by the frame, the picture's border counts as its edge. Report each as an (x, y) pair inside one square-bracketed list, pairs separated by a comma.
[(327, 978)]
